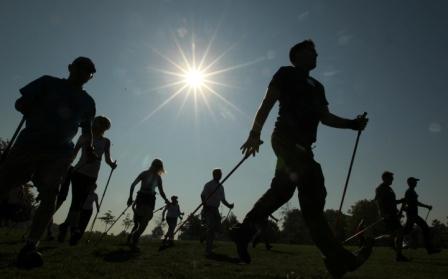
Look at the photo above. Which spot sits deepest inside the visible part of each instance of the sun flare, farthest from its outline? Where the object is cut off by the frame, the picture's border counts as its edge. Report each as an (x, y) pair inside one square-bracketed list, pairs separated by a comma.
[(195, 78)]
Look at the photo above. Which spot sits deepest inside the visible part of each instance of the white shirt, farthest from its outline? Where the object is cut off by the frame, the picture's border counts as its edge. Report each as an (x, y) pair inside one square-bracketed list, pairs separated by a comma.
[(218, 195)]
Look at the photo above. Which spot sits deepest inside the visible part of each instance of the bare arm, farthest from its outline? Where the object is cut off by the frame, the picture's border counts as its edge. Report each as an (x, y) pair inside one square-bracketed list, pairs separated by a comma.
[(163, 213), (226, 203), (162, 193), (107, 157), (251, 146), (136, 181)]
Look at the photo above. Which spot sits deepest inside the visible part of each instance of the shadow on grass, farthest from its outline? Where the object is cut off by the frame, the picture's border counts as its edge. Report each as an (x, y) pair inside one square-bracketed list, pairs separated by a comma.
[(117, 256), (275, 251), (7, 260), (223, 258)]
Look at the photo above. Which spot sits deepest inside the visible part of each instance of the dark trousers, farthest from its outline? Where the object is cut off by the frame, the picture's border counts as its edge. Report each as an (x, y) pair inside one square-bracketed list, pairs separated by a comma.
[(172, 223), (143, 212), (296, 168), (212, 224), (84, 218), (415, 219)]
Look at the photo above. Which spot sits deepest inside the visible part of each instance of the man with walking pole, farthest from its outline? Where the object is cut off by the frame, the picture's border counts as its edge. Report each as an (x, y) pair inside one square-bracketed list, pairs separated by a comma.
[(412, 204), (302, 106), (53, 109)]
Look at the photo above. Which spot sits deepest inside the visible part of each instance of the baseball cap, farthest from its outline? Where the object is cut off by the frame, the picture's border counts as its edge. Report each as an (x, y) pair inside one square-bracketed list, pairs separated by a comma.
[(413, 179)]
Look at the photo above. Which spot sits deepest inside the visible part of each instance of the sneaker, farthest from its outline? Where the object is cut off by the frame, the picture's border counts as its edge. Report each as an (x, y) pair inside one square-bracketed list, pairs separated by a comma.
[(29, 257), (241, 234), (402, 258), (62, 232), (337, 269)]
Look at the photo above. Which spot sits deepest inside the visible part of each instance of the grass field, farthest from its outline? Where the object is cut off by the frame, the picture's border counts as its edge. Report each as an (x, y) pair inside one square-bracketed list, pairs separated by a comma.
[(112, 259)]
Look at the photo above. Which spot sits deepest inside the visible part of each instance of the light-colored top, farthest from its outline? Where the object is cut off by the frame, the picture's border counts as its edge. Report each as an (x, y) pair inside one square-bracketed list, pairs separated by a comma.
[(90, 200), (218, 195), (149, 182), (172, 211), (92, 168)]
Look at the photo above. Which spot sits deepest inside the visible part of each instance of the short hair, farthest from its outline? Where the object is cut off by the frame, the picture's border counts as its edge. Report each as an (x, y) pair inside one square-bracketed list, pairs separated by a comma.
[(85, 63), (298, 47), (216, 172), (387, 174), (102, 122)]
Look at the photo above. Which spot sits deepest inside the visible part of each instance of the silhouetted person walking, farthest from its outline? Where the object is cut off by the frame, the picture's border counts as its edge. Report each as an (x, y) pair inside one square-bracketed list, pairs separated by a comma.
[(212, 195), (145, 200), (172, 213), (387, 205), (53, 108), (302, 106), (412, 204)]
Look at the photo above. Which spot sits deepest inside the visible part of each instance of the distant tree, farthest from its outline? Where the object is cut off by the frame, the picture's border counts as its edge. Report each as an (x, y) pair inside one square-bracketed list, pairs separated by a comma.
[(226, 225), (338, 223), (294, 229), (157, 232), (107, 219), (127, 222), (192, 229), (366, 210)]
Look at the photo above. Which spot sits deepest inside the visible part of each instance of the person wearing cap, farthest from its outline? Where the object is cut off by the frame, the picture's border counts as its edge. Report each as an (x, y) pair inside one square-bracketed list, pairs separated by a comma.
[(172, 213), (387, 205), (53, 109), (146, 199), (212, 195), (411, 208)]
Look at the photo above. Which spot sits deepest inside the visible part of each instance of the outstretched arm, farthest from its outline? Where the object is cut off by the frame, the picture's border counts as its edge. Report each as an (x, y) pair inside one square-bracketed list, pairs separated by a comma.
[(251, 146), (162, 193), (424, 205), (163, 214), (226, 203), (112, 164)]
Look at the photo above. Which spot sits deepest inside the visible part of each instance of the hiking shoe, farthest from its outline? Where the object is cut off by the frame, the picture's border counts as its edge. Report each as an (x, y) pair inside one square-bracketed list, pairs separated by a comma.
[(434, 251), (62, 232), (337, 268), (29, 257), (241, 235), (402, 258), (75, 237)]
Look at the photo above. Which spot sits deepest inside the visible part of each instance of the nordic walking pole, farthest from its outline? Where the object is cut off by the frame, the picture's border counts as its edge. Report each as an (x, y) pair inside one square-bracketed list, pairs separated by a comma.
[(102, 197), (273, 218), (228, 214), (116, 220), (209, 196), (427, 214), (363, 230), (11, 142), (349, 172)]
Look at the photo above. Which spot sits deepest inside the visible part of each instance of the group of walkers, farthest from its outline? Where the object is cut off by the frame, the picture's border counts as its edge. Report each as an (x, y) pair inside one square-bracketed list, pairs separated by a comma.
[(54, 108)]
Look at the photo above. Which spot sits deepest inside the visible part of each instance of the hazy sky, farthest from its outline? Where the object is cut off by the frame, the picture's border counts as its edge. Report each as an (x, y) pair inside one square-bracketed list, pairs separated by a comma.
[(387, 58)]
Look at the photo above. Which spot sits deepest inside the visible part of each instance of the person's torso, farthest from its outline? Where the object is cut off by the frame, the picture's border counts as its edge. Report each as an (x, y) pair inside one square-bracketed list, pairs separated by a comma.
[(214, 193), (57, 112), (411, 198), (89, 166), (301, 100), (150, 182), (172, 211), (386, 200)]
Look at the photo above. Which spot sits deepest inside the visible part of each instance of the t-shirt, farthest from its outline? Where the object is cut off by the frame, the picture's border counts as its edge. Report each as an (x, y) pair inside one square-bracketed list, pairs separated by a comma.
[(172, 211), (57, 110), (90, 199), (301, 102), (411, 199), (149, 182), (386, 200), (88, 166), (215, 199)]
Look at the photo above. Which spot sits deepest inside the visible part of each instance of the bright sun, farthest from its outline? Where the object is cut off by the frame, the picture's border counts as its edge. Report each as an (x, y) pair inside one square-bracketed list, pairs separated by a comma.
[(194, 78)]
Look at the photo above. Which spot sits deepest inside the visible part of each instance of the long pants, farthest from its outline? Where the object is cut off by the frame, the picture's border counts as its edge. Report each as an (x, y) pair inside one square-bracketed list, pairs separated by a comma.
[(393, 225), (212, 224), (84, 218), (142, 215), (172, 223), (415, 219), (296, 168), (46, 169), (81, 186)]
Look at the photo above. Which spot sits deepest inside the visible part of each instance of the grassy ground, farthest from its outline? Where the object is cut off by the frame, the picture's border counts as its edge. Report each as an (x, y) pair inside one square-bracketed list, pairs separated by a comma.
[(111, 259)]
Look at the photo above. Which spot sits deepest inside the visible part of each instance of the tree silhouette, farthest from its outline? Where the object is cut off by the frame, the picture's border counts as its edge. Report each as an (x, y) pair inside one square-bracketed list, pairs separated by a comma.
[(127, 222), (107, 219), (192, 229)]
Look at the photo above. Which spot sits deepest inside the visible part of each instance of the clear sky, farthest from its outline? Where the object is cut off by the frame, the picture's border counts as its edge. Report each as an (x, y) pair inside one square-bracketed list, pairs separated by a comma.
[(387, 58)]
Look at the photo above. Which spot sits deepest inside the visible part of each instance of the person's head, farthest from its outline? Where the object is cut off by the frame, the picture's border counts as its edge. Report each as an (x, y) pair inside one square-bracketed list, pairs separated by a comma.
[(100, 125), (81, 70), (412, 182), (157, 167), (303, 55), (174, 199), (217, 174), (387, 177)]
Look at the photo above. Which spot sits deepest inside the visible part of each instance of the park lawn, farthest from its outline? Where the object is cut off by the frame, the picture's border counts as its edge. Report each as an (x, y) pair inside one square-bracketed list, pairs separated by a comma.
[(112, 259)]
